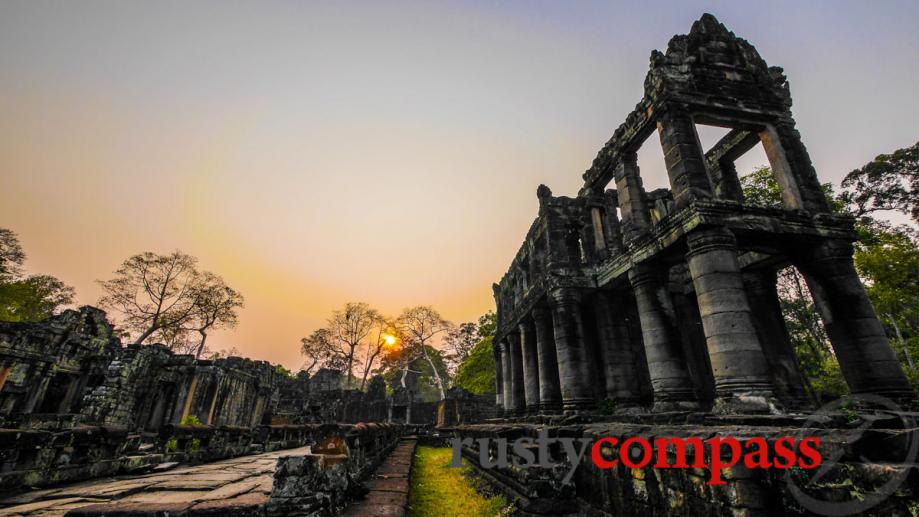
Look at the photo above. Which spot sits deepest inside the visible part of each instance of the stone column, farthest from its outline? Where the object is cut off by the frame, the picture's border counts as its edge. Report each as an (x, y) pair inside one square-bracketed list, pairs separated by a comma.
[(550, 395), (507, 376), (790, 384), (530, 366), (499, 376), (670, 381), (622, 384), (792, 166), (683, 156), (631, 197), (518, 402), (868, 363), (742, 379), (573, 366)]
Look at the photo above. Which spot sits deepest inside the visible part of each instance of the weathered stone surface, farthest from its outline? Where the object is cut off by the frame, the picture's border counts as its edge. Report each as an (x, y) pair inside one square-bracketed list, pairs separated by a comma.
[(673, 261)]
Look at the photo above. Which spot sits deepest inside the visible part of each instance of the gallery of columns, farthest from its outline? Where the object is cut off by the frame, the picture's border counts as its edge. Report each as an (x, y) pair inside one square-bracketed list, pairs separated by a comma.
[(622, 299)]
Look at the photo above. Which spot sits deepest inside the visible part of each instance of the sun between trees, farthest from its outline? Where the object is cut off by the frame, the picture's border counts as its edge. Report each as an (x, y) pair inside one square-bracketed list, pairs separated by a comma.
[(360, 341)]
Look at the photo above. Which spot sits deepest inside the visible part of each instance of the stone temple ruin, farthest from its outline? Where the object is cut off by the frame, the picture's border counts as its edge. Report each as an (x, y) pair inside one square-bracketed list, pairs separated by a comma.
[(629, 314), (668, 298), (624, 314)]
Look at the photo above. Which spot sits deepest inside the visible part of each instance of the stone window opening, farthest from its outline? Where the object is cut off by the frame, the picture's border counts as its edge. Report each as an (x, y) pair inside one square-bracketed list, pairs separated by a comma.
[(575, 247)]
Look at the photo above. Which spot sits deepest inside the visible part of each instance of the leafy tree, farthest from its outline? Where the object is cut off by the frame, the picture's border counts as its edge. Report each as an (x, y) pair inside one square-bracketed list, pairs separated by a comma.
[(27, 299), (886, 257), (477, 373), (889, 182), (888, 260)]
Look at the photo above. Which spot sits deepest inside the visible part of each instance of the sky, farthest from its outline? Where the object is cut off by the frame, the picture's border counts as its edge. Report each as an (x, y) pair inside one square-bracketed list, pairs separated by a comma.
[(315, 153)]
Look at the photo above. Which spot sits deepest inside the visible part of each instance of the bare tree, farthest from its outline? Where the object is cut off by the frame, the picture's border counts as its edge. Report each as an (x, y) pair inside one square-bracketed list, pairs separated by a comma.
[(419, 325), (167, 297), (321, 350), (11, 255), (215, 307), (459, 342), (350, 327), (385, 336), (152, 292)]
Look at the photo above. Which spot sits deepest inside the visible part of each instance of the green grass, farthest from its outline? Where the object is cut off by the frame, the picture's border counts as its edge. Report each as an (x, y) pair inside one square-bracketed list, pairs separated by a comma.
[(438, 489)]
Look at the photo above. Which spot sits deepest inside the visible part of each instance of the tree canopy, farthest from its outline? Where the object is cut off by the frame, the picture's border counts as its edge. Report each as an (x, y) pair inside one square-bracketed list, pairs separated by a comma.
[(27, 298)]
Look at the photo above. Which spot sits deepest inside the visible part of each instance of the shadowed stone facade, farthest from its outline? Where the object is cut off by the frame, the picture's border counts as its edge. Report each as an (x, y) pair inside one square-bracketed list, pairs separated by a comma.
[(667, 299)]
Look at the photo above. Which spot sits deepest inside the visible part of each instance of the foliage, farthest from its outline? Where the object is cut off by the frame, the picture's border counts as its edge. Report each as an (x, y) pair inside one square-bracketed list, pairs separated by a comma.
[(191, 420), (889, 182), (284, 372), (436, 486), (166, 295), (172, 445), (886, 257), (31, 298), (477, 373)]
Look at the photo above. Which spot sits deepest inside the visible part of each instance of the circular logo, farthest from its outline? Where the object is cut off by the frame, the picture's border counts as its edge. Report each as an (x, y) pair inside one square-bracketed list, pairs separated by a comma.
[(867, 500)]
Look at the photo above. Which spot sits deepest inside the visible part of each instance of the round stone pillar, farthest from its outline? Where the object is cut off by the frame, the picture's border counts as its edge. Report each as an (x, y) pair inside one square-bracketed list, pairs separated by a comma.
[(530, 366), (574, 368), (670, 381), (517, 405), (506, 377), (550, 395), (742, 380)]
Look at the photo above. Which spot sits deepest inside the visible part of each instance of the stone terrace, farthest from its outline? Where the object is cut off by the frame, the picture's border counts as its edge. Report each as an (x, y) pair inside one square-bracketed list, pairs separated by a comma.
[(228, 485)]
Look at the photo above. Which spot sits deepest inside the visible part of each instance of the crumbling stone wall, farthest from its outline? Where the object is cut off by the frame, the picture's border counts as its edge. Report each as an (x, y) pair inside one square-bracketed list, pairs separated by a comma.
[(667, 299)]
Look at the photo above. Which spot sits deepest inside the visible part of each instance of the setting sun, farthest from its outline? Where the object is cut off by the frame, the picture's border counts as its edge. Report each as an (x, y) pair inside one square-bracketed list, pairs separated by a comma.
[(390, 340)]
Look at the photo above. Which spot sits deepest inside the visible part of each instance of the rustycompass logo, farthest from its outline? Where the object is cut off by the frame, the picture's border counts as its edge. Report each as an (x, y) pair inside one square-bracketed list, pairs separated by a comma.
[(637, 452)]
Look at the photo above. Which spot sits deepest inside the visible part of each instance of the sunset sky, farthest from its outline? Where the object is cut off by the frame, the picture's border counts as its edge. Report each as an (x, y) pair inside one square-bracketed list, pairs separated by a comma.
[(387, 152)]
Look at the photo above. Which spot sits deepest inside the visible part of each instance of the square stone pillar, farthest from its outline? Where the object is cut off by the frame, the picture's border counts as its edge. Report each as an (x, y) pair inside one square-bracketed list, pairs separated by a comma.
[(574, 368), (530, 366), (683, 156), (868, 363), (518, 401), (507, 376), (670, 381), (550, 395), (792, 167), (499, 376), (636, 218), (622, 383), (742, 379)]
